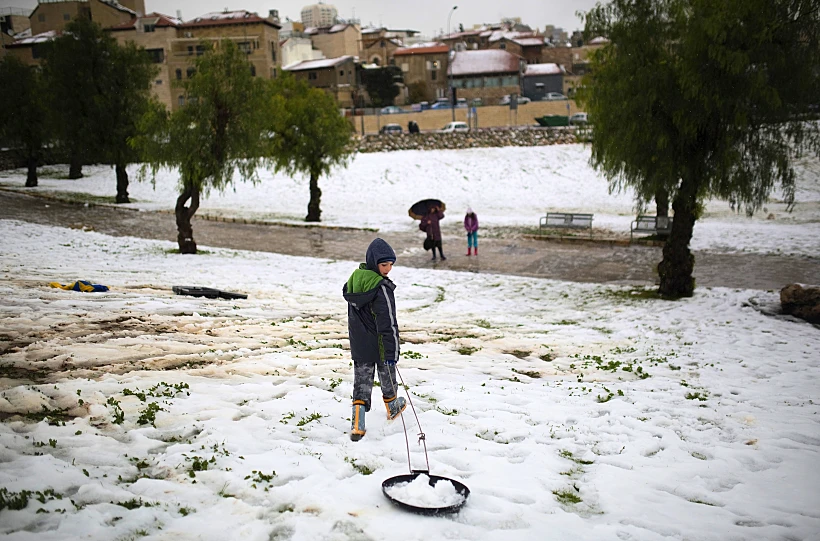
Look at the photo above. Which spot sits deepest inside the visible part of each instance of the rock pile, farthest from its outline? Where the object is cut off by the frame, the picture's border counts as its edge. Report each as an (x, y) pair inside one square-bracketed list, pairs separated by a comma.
[(481, 138)]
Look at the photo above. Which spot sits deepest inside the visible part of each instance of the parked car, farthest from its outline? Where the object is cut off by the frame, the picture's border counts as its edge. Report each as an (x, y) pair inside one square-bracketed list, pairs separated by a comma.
[(453, 127), (391, 128), (505, 100), (441, 105), (553, 96), (391, 110), (579, 119)]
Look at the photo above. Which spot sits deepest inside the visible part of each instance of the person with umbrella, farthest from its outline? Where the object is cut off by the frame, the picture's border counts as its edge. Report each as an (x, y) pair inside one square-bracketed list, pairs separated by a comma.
[(430, 225)]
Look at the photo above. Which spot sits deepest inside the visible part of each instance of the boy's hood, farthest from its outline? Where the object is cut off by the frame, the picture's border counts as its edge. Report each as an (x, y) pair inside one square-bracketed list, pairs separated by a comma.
[(362, 286)]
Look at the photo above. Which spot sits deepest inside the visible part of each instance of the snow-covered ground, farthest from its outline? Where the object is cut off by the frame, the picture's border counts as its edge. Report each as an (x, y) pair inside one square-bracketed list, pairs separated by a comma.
[(505, 186), (571, 411)]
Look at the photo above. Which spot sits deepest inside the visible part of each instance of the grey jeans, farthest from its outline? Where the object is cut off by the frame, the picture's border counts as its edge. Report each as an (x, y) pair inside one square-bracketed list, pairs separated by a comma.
[(363, 373)]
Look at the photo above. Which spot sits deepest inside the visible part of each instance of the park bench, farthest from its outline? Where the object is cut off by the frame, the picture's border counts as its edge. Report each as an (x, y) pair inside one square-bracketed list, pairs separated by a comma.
[(651, 225), (566, 220)]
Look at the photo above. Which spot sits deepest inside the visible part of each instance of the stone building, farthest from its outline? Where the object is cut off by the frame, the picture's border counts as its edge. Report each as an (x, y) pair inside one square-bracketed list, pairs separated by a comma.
[(337, 40), (487, 74), (174, 45), (319, 15), (424, 66), (337, 76)]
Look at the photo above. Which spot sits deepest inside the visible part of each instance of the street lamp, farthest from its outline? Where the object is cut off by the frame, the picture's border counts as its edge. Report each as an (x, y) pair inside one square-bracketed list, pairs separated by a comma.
[(450, 66)]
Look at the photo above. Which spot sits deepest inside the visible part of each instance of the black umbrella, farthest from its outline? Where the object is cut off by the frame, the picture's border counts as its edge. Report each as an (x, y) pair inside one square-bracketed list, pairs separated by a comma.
[(422, 208)]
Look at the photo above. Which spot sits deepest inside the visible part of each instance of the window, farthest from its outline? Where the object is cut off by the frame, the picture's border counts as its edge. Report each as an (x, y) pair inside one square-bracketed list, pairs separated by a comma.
[(66, 16), (37, 51), (273, 51), (190, 50), (502, 46), (273, 73), (405, 67), (433, 75), (181, 101), (492, 81), (253, 70), (312, 76), (200, 50), (392, 61), (41, 17), (147, 28), (157, 56), (158, 82), (244, 46), (191, 72), (179, 74), (510, 80)]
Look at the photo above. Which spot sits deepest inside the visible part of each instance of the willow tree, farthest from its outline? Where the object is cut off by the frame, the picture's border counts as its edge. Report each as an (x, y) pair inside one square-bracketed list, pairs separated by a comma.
[(310, 135), (216, 134), (703, 99)]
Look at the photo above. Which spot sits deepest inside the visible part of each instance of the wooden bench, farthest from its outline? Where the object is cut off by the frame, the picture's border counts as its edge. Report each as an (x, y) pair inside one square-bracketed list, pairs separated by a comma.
[(566, 220), (651, 225)]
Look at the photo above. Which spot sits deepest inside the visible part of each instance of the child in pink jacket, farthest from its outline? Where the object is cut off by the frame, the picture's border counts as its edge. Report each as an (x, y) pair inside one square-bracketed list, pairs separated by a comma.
[(471, 225)]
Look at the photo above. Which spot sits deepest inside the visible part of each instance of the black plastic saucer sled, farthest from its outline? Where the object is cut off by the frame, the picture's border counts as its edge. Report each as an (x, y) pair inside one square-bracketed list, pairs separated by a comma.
[(461, 488)]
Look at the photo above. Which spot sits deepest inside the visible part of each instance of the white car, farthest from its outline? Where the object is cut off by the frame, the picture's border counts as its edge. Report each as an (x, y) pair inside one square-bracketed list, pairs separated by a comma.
[(553, 96), (579, 119), (453, 127)]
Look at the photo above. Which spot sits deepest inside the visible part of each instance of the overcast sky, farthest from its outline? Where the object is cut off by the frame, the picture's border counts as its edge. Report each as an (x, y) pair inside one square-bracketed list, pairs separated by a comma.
[(427, 16)]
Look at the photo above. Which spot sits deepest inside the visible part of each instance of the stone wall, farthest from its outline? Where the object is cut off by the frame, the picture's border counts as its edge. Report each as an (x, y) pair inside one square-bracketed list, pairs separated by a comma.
[(481, 138)]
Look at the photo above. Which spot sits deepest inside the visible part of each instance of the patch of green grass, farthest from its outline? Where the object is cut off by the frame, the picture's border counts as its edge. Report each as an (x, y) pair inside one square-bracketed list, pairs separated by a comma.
[(134, 503), (520, 353), (312, 417), (198, 464), (696, 396), (119, 415), (547, 357), (412, 355), (529, 373), (149, 414), (567, 497), (361, 468), (568, 455), (695, 500), (257, 477), (467, 350), (483, 323), (445, 411), (16, 501), (566, 322)]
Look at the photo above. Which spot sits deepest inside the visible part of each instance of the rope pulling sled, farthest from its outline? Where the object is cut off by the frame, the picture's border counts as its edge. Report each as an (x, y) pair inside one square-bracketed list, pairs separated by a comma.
[(396, 488)]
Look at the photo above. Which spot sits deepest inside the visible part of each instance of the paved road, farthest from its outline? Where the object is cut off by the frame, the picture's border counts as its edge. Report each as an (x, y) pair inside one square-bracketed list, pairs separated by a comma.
[(587, 262)]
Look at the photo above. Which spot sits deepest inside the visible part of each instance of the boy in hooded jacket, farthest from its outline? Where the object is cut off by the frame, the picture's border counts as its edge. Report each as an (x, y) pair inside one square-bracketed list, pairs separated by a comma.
[(374, 334)]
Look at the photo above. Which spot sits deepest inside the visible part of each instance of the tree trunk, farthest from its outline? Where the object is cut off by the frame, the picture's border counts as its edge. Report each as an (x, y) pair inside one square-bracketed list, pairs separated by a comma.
[(314, 212), (75, 168), (122, 184), (676, 268), (662, 208), (185, 233), (31, 176), (662, 202)]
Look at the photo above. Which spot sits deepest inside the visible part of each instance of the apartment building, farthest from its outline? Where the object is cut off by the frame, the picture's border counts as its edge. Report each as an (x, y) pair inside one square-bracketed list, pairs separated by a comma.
[(487, 74), (174, 45), (337, 40), (319, 15), (337, 76), (425, 64)]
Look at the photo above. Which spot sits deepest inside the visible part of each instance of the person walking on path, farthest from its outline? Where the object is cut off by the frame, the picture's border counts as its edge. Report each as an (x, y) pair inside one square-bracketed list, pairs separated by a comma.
[(471, 225), (374, 334), (430, 225)]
